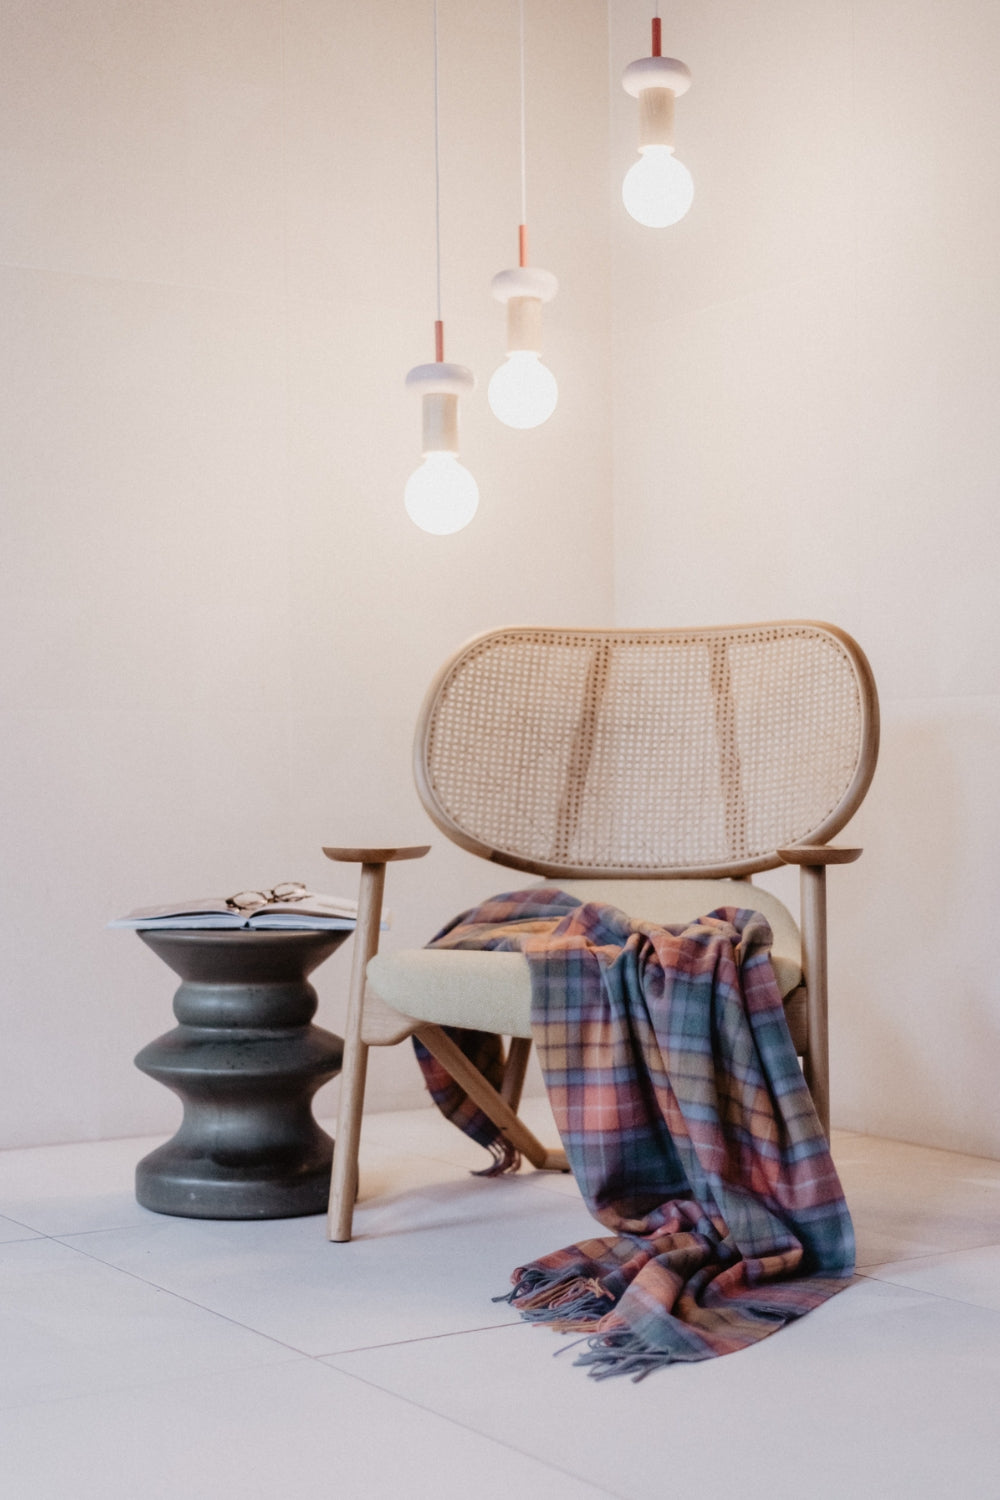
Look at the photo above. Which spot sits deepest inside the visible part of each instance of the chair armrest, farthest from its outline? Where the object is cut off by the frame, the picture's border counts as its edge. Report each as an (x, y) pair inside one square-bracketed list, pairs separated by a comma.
[(377, 856), (818, 854)]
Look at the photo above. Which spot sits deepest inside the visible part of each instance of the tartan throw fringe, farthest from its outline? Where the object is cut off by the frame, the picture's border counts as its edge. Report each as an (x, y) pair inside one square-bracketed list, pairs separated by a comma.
[(687, 1124)]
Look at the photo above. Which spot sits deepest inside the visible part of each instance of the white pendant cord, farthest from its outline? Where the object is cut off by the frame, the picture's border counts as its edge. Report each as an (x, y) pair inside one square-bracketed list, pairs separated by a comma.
[(522, 392), (440, 496), (437, 165), (524, 132)]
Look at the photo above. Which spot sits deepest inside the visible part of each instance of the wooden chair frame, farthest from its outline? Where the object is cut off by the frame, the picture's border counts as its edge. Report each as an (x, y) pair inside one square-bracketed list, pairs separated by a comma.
[(372, 1023)]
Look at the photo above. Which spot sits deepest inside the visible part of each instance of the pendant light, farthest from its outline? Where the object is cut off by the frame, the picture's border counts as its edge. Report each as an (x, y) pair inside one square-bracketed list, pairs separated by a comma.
[(658, 189), (441, 496), (523, 392)]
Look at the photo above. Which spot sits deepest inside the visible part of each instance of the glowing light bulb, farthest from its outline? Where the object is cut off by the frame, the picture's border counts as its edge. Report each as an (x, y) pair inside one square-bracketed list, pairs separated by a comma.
[(523, 392), (441, 496), (658, 189)]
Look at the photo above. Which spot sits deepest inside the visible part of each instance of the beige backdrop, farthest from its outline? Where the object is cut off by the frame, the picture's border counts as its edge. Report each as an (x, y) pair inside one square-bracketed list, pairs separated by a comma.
[(217, 266)]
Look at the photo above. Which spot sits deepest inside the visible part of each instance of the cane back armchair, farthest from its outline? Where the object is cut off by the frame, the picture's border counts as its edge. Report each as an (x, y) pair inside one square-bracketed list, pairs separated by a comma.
[(657, 770)]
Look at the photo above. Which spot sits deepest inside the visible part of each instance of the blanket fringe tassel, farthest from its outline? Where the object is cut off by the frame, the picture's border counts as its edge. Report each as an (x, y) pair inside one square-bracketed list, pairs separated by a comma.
[(622, 1353), (568, 1303), (574, 1304), (506, 1158)]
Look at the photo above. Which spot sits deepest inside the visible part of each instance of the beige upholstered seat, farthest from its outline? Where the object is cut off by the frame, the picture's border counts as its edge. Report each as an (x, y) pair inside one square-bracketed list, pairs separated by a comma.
[(492, 991), (655, 770)]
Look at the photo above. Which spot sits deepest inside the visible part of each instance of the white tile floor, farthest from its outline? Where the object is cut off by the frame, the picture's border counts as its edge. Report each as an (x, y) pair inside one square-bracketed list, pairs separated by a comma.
[(145, 1356)]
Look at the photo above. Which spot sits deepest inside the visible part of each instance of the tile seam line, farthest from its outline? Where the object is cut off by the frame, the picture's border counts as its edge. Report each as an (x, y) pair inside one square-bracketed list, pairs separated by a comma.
[(178, 1296), (937, 1296), (419, 1338), (905, 1260), (485, 1436), (895, 1140), (71, 1234), (318, 1357), (141, 1384), (20, 1223)]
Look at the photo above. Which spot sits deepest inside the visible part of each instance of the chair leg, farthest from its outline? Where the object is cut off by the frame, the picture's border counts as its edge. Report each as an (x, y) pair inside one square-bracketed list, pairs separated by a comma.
[(516, 1066), (344, 1180), (816, 1063), (453, 1059)]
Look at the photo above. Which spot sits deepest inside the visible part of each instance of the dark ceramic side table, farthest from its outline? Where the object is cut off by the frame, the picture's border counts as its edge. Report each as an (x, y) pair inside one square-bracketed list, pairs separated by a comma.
[(245, 1061)]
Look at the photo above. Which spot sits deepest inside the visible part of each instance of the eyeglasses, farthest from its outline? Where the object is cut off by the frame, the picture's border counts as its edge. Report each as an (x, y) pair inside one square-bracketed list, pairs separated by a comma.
[(289, 890)]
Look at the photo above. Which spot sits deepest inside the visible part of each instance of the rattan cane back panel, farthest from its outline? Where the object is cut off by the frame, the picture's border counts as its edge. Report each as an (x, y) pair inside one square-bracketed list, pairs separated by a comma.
[(648, 752)]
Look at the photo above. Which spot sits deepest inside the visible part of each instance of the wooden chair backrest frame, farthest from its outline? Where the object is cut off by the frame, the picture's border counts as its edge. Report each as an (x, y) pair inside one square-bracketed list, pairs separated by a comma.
[(627, 753), (648, 753)]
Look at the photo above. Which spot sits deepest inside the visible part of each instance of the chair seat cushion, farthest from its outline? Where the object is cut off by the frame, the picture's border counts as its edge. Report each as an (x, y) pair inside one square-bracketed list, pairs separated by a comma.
[(492, 991)]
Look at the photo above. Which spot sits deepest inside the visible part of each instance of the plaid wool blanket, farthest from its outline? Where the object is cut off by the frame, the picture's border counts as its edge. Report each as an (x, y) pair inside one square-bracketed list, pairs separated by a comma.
[(687, 1124)]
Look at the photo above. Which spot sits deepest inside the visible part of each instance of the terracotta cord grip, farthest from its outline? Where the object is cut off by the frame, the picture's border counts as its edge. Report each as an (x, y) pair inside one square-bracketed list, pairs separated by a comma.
[(439, 341), (657, 37)]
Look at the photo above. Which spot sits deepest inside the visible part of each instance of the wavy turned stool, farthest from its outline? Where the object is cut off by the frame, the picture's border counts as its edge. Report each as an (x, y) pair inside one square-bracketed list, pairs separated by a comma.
[(245, 1061)]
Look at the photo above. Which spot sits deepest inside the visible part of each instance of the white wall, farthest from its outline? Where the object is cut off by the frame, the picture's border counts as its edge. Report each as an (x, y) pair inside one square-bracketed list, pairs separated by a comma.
[(807, 386), (216, 267)]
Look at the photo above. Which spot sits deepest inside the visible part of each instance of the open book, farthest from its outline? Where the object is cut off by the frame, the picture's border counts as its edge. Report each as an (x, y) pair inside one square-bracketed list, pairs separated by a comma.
[(322, 913)]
